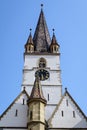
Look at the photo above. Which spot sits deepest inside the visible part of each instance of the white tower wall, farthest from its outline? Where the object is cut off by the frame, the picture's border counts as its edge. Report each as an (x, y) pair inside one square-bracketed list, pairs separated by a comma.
[(52, 86)]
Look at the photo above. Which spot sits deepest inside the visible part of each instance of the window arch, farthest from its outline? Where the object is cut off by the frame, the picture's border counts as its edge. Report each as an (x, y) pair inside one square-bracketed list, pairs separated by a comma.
[(42, 63)]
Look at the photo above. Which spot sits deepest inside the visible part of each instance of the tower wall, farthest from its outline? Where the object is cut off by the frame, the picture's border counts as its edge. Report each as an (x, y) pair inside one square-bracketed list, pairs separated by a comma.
[(52, 86), (31, 66)]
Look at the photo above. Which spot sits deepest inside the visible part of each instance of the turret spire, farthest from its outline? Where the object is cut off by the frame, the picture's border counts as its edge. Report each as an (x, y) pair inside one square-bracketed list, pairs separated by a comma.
[(37, 92), (54, 41), (29, 46), (30, 40), (54, 47), (41, 36)]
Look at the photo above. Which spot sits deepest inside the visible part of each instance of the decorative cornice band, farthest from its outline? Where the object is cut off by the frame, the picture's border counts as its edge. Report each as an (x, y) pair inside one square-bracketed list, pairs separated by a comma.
[(30, 85), (44, 53)]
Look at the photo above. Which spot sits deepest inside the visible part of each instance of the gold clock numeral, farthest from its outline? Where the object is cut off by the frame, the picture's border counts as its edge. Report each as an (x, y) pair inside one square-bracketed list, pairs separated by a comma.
[(42, 78), (41, 70), (46, 77)]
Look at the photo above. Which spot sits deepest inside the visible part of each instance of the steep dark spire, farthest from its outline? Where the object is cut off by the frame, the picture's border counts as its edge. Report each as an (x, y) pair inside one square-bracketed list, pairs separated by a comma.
[(41, 36)]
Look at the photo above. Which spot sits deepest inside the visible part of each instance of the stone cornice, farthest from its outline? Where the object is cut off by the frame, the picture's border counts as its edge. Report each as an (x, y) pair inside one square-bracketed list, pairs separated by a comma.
[(40, 53)]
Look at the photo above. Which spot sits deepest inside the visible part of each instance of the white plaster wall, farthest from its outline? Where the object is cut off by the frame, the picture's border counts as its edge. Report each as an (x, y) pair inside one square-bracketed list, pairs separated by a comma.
[(54, 97), (28, 77), (31, 61), (53, 67), (49, 110), (54, 78), (31, 64), (10, 120), (54, 94), (51, 86), (68, 121)]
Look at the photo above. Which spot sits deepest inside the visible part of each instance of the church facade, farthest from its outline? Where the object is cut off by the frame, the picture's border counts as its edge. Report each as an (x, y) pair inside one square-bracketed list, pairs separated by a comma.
[(41, 105)]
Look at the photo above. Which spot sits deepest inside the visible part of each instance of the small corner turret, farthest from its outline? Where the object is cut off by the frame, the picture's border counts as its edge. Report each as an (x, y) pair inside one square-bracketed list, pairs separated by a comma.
[(29, 46), (54, 47)]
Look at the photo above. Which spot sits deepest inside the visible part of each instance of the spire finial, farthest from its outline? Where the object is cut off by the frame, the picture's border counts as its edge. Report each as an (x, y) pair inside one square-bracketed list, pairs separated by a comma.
[(41, 6), (30, 30), (53, 30), (66, 89)]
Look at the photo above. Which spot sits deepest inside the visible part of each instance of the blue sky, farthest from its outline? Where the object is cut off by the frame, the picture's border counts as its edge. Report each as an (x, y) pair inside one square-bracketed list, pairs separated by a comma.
[(69, 18)]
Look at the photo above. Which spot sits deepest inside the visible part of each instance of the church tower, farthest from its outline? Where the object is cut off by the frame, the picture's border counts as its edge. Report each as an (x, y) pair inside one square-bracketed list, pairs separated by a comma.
[(42, 58), (36, 105), (41, 104)]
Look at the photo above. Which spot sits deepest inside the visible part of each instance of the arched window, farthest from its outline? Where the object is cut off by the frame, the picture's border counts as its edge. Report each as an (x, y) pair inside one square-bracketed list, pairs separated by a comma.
[(67, 102), (42, 63)]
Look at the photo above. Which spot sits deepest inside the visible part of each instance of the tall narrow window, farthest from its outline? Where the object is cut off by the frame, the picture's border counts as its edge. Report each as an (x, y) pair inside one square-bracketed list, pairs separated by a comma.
[(16, 112), (54, 48), (30, 115), (23, 101), (74, 114), (48, 96), (67, 102), (62, 113), (29, 48), (28, 112), (42, 63)]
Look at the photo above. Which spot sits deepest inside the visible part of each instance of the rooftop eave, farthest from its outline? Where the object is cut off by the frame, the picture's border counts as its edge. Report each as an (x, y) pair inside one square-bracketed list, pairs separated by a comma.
[(37, 100), (40, 53)]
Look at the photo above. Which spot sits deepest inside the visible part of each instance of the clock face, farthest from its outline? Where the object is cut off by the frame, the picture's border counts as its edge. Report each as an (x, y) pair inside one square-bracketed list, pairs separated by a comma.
[(43, 74)]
